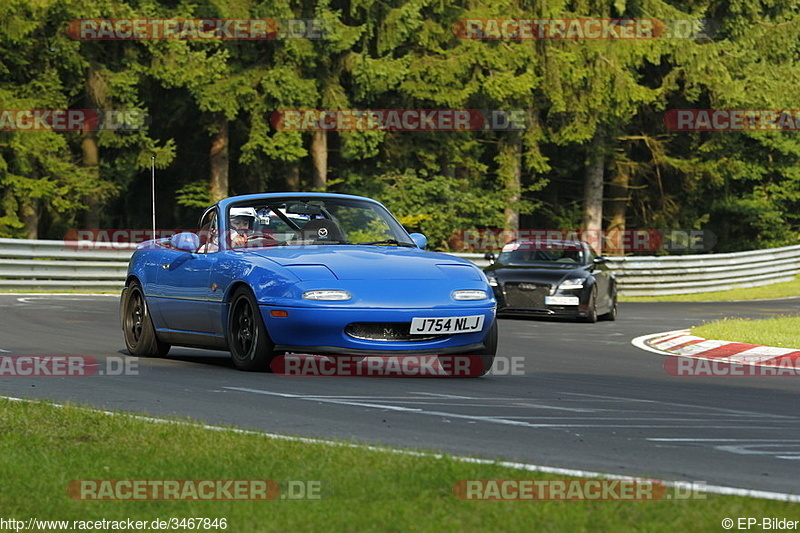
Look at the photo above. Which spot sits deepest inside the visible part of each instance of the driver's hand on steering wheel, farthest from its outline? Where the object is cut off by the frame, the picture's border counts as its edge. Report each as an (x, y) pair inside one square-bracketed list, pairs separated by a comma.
[(239, 240)]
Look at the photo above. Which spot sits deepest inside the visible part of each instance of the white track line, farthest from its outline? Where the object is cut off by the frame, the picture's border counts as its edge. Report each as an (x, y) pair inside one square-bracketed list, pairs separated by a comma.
[(696, 486), (62, 298), (685, 439), (505, 420)]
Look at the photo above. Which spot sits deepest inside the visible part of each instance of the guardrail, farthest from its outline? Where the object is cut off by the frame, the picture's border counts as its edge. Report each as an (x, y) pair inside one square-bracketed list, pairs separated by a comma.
[(60, 265), (686, 274)]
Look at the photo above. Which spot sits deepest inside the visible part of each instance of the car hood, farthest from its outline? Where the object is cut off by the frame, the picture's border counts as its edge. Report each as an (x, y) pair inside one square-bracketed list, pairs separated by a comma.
[(353, 262)]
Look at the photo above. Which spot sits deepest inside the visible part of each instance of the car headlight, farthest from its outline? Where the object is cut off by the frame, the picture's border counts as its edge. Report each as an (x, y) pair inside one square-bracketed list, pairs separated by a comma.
[(492, 280), (327, 295), (573, 283), (470, 294)]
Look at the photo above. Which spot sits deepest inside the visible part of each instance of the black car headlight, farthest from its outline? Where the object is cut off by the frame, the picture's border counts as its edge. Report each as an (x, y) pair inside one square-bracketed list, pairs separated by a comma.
[(572, 283)]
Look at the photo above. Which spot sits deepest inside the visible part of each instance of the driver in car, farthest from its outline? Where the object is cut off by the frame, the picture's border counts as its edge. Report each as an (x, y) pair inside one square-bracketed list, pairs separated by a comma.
[(241, 223), (243, 229)]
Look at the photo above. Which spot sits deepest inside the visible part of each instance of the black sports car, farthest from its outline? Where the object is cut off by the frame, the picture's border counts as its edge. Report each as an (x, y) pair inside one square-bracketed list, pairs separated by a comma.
[(552, 278)]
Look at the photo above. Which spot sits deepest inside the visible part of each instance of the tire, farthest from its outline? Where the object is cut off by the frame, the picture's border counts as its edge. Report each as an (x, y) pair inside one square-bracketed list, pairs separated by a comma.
[(612, 314), (486, 355), (137, 326), (248, 341), (591, 316)]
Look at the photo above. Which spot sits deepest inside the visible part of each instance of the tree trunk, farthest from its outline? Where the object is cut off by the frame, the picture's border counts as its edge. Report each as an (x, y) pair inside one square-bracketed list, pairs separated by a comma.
[(319, 160), (293, 178), (94, 99), (219, 160), (30, 217), (593, 191), (618, 204), (511, 168), (91, 160)]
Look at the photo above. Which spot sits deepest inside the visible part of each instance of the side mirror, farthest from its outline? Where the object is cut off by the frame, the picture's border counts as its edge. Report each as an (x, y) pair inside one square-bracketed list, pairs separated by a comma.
[(489, 256), (419, 239), (186, 241)]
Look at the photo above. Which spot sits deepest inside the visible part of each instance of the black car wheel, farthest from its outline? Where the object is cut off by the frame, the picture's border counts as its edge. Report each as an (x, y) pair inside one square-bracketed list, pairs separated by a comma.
[(612, 314), (137, 327), (486, 356), (591, 313), (251, 348)]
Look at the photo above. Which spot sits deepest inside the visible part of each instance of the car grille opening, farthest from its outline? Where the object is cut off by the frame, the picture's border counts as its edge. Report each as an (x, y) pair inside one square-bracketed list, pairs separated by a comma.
[(386, 332), (525, 294)]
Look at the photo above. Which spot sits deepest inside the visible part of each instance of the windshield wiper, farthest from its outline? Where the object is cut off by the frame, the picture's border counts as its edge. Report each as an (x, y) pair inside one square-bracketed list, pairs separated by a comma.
[(394, 242)]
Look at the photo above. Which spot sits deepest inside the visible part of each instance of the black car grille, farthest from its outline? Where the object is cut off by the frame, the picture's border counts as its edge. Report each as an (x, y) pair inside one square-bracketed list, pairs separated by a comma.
[(525, 294), (386, 331)]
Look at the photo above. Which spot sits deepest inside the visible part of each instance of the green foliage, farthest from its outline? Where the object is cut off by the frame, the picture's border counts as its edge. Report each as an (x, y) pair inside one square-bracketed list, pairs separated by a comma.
[(744, 186), (438, 206), (195, 194)]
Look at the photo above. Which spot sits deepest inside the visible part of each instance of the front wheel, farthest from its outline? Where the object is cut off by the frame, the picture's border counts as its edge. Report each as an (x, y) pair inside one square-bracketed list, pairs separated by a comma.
[(591, 313), (251, 348), (137, 326)]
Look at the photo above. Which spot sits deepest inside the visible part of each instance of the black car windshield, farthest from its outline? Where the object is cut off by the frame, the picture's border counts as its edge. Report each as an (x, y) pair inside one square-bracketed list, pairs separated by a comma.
[(308, 220), (552, 257)]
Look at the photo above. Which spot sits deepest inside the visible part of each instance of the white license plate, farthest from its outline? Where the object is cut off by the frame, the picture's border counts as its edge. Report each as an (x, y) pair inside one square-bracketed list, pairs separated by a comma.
[(451, 324), (561, 300)]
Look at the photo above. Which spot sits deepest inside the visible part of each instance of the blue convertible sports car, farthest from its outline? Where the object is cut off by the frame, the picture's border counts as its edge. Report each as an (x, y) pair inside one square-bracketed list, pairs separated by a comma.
[(306, 273)]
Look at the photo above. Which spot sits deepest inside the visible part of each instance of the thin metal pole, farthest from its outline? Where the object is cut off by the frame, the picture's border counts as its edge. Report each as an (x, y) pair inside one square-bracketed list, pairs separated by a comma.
[(153, 187)]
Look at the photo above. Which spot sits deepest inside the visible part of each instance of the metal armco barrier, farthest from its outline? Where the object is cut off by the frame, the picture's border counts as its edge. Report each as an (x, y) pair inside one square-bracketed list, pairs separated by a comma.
[(686, 274), (59, 265)]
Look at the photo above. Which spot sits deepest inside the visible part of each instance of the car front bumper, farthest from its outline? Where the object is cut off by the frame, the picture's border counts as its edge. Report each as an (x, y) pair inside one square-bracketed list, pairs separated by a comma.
[(323, 331), (555, 311)]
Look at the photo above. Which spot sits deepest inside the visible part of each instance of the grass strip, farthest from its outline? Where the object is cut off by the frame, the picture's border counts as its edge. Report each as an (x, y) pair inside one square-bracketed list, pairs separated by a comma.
[(45, 447), (782, 331), (778, 290)]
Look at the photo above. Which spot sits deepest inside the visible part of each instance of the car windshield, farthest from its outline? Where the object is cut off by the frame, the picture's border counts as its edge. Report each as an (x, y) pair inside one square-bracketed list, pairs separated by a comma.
[(555, 255), (308, 220)]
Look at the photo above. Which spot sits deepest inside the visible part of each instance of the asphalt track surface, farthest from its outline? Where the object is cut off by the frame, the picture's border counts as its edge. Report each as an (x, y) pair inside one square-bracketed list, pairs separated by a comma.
[(587, 399)]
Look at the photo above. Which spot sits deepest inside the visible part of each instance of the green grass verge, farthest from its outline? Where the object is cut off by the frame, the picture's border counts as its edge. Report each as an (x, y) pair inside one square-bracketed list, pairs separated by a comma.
[(44, 448), (777, 290), (783, 331)]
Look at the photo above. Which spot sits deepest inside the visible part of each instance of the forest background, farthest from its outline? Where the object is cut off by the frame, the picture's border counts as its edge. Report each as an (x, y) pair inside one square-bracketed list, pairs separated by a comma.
[(594, 153)]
